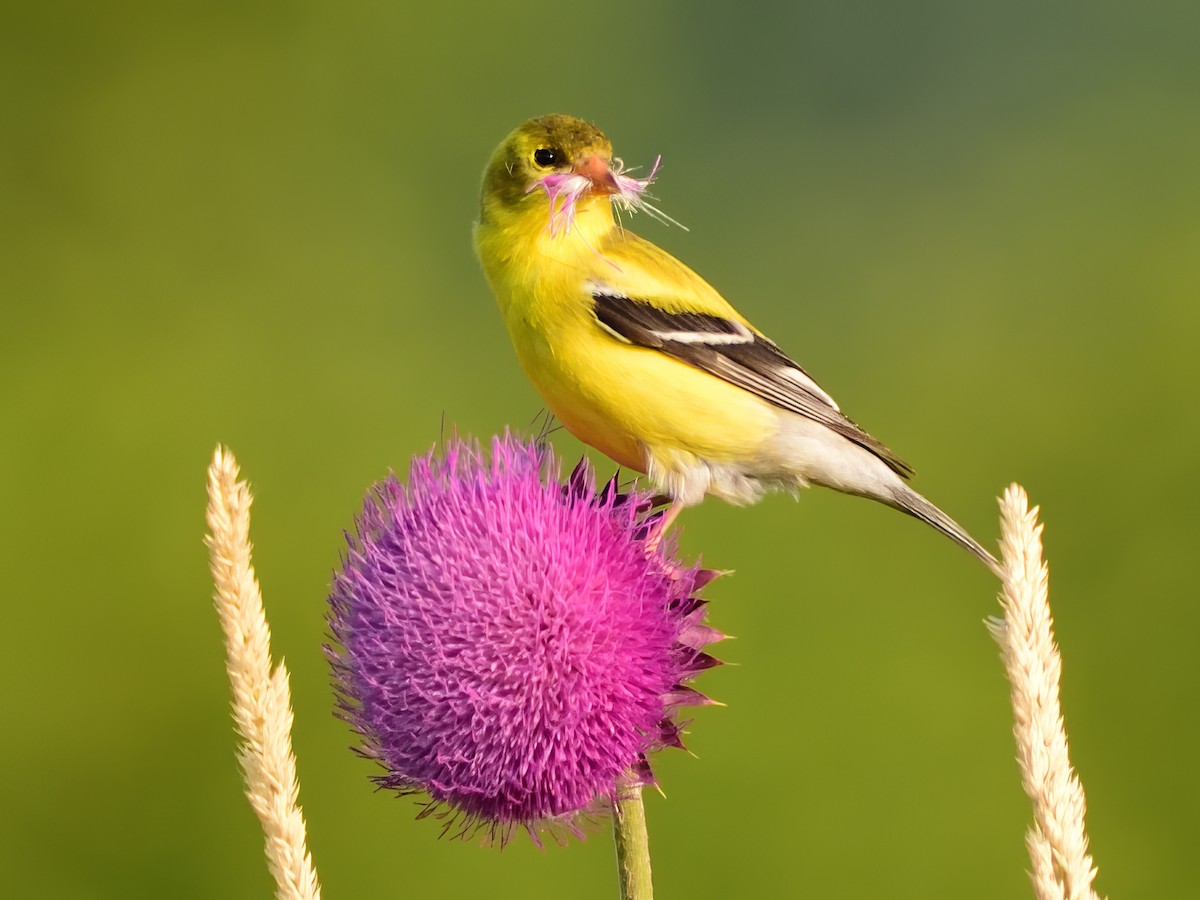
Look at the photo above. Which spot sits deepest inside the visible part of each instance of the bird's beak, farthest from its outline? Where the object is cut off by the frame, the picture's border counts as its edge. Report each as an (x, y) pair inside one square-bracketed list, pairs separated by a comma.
[(597, 169)]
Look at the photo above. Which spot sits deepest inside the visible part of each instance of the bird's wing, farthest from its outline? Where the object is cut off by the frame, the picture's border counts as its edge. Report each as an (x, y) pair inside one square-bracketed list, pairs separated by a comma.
[(732, 351)]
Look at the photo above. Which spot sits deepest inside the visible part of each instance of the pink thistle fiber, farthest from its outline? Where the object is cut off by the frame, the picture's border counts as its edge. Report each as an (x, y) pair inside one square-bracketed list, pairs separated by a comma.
[(564, 190)]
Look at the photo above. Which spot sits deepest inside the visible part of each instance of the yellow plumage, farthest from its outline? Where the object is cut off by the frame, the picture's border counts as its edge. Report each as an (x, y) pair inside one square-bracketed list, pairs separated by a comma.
[(590, 378), (641, 358)]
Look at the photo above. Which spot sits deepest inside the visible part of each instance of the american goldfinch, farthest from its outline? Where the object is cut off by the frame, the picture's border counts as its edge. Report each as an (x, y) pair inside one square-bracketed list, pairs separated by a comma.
[(639, 357)]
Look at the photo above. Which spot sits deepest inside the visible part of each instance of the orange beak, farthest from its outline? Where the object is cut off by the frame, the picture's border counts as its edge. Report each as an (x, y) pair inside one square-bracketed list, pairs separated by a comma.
[(595, 168)]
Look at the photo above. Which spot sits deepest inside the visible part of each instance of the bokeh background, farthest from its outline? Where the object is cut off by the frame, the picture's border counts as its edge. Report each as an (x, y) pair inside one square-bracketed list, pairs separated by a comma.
[(976, 224)]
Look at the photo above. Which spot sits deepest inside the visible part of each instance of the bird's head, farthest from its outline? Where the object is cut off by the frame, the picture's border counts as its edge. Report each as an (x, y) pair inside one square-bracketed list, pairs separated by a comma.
[(560, 166)]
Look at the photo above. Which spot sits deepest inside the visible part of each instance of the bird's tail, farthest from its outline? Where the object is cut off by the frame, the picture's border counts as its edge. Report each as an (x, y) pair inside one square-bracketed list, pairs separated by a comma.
[(909, 501)]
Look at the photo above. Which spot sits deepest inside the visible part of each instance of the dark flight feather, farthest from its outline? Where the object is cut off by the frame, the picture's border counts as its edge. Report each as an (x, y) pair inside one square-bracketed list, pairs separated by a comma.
[(734, 353)]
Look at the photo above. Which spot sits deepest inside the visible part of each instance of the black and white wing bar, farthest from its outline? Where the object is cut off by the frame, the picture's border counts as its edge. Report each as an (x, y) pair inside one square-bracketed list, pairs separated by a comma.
[(734, 353)]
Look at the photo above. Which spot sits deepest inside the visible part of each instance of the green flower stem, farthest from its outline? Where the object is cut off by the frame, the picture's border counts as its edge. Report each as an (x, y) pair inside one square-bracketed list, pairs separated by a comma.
[(633, 844)]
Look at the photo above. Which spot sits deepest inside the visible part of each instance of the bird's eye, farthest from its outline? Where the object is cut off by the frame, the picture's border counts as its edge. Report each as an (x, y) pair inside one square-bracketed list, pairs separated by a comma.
[(547, 157)]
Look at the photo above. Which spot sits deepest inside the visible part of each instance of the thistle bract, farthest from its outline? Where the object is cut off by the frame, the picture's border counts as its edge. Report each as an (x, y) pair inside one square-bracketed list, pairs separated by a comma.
[(509, 644)]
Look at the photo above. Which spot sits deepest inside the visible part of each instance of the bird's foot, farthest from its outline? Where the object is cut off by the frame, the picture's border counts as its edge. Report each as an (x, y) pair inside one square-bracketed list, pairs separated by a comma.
[(660, 529)]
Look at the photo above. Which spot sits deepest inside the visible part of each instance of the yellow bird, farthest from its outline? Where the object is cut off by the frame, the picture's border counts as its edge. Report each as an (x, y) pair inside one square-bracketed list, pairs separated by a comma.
[(641, 358)]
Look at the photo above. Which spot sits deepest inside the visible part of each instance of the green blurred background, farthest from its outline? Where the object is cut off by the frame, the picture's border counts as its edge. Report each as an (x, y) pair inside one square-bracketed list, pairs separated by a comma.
[(976, 224)]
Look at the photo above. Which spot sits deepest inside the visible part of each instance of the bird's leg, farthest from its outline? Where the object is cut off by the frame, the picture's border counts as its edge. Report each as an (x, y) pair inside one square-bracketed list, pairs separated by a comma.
[(660, 530)]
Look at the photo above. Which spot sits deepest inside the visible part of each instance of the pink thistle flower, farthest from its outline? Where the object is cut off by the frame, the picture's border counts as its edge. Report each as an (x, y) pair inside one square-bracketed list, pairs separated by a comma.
[(507, 643)]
